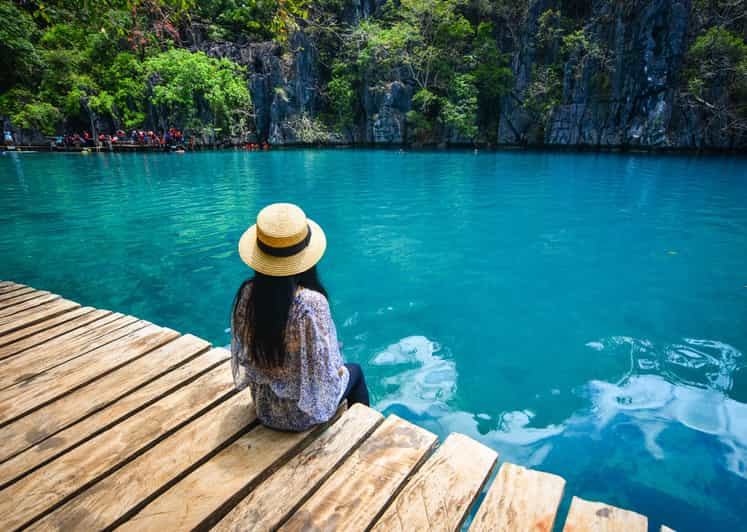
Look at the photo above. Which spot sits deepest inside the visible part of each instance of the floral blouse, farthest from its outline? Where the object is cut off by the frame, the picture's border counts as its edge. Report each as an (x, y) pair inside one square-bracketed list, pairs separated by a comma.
[(308, 388)]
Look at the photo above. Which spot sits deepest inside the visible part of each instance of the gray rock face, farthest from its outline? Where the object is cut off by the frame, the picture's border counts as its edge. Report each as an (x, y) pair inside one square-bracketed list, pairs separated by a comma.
[(641, 106), (386, 108)]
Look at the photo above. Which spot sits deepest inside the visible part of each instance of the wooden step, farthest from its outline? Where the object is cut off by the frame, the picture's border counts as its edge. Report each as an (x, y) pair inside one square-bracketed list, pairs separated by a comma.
[(33, 316), (356, 494), (41, 298), (207, 493), (15, 371), (23, 339), (40, 491), (440, 495), (162, 360), (275, 499), (144, 478), (599, 517), (8, 286), (50, 385), (37, 427), (520, 499), (19, 296)]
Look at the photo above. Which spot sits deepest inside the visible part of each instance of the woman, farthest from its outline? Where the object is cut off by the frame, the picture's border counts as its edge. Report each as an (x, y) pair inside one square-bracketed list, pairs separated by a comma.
[(283, 340)]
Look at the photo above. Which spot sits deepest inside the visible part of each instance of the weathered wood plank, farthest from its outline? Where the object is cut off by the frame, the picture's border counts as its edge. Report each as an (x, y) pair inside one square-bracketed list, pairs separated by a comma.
[(15, 371), (21, 298), (38, 492), (43, 299), (39, 425), (55, 328), (358, 492), (35, 315), (520, 499), (183, 350), (15, 294), (27, 333), (10, 287), (439, 496), (56, 382), (591, 516), (216, 485), (155, 470), (275, 499)]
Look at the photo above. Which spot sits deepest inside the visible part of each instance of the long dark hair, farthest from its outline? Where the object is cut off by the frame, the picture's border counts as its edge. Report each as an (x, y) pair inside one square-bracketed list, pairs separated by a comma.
[(259, 323)]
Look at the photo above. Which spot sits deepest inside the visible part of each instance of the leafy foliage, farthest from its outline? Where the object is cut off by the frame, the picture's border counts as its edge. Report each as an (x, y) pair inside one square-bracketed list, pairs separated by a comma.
[(716, 76)]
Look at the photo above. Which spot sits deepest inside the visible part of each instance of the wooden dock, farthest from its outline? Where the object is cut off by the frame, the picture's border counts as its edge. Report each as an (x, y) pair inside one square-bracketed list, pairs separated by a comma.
[(108, 421)]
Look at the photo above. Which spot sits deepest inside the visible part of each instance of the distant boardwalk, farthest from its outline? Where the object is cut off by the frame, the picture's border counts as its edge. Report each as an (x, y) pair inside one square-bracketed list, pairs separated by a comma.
[(110, 421)]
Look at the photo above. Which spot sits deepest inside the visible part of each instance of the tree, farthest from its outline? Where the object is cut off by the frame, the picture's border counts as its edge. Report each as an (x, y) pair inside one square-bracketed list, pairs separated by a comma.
[(716, 75), (189, 87)]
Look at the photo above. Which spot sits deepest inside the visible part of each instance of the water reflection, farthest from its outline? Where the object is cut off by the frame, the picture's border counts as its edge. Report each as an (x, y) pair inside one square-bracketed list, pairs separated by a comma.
[(682, 385)]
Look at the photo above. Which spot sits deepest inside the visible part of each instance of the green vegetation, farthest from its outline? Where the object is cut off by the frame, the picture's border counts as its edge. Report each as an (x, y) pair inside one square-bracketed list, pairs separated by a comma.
[(716, 76), (130, 64)]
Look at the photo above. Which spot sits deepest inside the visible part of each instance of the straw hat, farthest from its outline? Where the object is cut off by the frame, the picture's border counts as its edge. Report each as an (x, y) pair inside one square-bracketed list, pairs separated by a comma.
[(283, 241)]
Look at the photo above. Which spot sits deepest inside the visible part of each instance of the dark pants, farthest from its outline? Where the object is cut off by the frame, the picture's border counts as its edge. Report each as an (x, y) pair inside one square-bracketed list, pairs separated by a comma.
[(356, 392)]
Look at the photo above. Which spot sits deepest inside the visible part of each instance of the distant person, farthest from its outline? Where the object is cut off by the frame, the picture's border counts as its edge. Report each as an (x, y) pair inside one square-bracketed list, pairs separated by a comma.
[(8, 138), (283, 340)]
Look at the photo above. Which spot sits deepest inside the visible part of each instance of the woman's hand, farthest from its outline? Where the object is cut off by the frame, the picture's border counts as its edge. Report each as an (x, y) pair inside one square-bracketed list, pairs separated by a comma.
[(341, 371)]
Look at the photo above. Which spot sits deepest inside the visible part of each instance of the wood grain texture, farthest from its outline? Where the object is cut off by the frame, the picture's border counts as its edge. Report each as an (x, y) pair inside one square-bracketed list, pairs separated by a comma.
[(42, 299), (204, 495), (18, 296), (439, 496), (15, 371), (41, 424), (30, 496), (35, 315), (354, 496), (275, 499), (591, 516), (161, 360), (56, 382), (21, 339), (520, 500), (154, 471), (9, 286)]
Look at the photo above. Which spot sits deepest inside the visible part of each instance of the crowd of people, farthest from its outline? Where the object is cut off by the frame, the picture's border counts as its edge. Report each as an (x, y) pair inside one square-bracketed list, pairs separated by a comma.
[(170, 138)]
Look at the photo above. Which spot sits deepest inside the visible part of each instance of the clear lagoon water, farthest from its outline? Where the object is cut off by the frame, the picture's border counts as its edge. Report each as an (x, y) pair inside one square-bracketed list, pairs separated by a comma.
[(583, 314)]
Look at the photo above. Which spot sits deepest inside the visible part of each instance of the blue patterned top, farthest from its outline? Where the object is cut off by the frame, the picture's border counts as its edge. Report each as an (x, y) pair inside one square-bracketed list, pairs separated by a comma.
[(308, 388)]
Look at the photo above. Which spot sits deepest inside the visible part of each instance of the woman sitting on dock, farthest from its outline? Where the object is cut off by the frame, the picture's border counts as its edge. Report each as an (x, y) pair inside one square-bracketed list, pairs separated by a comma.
[(283, 340)]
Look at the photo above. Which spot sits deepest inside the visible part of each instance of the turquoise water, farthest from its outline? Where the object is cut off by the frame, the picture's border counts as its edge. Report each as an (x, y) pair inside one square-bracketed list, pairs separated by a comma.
[(584, 314)]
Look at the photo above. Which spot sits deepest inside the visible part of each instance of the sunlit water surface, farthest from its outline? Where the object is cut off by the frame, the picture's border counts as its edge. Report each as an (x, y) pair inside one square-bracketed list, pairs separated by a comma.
[(582, 314)]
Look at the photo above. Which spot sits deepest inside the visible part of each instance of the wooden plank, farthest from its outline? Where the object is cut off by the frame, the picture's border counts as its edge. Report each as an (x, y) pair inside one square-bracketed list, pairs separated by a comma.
[(66, 324), (10, 287), (442, 492), (36, 315), (46, 422), (21, 298), (360, 489), (217, 485), (520, 499), (33, 330), (17, 370), (164, 359), (50, 385), (275, 499), (154, 471), (8, 296), (591, 516), (26, 305), (59, 480)]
